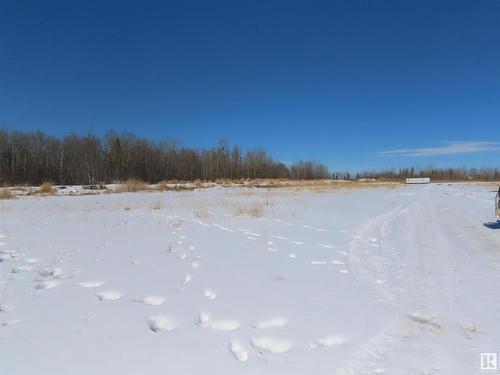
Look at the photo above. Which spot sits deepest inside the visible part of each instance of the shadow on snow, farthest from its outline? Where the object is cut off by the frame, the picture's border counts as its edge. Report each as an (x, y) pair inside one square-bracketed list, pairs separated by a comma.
[(492, 224)]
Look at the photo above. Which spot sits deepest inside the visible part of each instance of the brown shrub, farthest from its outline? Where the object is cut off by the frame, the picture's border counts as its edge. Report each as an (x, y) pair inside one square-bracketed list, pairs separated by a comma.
[(6, 194), (133, 185), (46, 187)]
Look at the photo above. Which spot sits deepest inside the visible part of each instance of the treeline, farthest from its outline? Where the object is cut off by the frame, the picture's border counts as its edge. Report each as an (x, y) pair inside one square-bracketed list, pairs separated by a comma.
[(435, 173), (35, 157)]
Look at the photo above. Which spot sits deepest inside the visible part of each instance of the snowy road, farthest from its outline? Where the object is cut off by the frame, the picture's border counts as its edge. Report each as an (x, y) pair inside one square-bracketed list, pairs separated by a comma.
[(232, 281)]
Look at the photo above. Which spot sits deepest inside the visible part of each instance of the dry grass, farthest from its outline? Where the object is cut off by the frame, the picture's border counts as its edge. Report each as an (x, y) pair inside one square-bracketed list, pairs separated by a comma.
[(162, 185), (323, 185), (5, 193), (175, 186), (132, 185), (156, 205), (203, 214), (254, 210), (47, 187)]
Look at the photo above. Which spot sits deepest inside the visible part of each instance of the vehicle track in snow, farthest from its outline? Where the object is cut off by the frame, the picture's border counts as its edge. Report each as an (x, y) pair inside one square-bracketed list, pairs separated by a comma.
[(433, 267)]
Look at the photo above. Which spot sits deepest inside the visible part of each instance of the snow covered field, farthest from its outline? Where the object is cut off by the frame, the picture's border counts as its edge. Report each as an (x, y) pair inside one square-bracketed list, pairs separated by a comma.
[(250, 281)]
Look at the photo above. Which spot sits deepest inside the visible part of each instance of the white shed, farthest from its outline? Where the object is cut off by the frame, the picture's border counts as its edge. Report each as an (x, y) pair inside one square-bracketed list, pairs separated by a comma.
[(418, 180)]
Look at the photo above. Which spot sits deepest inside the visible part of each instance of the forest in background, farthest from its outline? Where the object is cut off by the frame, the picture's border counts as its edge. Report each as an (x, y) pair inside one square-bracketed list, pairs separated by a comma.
[(34, 157)]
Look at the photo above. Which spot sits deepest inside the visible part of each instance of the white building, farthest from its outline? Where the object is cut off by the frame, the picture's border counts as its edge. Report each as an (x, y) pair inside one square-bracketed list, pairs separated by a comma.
[(418, 180)]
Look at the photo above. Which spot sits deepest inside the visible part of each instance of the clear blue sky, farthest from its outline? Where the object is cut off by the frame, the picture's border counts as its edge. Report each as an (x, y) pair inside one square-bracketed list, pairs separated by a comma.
[(345, 82)]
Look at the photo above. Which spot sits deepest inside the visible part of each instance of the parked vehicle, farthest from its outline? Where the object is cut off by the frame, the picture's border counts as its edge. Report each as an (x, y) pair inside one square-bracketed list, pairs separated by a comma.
[(497, 204)]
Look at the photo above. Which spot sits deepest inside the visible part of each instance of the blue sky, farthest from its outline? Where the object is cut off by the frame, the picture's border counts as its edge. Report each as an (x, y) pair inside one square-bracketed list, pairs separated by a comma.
[(356, 84)]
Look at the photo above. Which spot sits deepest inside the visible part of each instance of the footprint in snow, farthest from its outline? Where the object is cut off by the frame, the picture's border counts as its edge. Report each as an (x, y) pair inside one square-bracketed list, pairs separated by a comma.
[(271, 344), (327, 342), (195, 264), (9, 323), (108, 296), (210, 294), (223, 228), (278, 237), (270, 323), (204, 321), (252, 234), (325, 246), (161, 324), (337, 262), (9, 255), (239, 353), (6, 308), (187, 278), (20, 269), (91, 284), (47, 284), (151, 300), (31, 260)]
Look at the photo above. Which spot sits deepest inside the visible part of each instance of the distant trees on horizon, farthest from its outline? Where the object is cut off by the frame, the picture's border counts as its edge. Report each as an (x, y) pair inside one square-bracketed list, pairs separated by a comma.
[(435, 173), (35, 157)]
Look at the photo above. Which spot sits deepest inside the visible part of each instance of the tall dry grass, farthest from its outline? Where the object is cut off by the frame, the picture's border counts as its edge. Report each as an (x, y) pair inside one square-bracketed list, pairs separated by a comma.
[(46, 187), (255, 210), (132, 185), (5, 193)]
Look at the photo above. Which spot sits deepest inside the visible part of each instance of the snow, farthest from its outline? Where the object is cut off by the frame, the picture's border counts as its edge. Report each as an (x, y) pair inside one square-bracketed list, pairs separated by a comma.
[(380, 280)]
